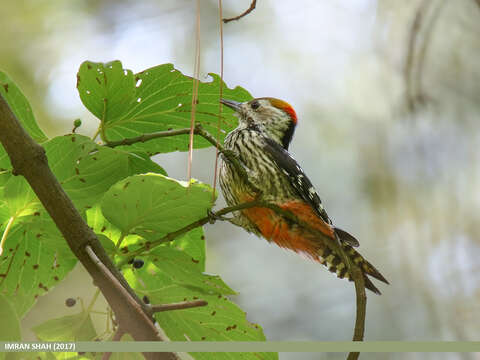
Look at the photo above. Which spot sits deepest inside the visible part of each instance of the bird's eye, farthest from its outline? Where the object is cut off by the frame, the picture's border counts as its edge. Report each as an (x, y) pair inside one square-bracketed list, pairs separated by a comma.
[(255, 105)]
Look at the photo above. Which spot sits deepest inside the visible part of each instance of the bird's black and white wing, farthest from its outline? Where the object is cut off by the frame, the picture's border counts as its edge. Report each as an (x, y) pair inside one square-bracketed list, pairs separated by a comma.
[(302, 185)]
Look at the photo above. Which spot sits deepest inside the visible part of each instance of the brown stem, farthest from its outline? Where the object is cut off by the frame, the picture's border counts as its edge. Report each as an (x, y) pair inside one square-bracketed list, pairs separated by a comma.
[(178, 306), (198, 130), (116, 337), (29, 160), (147, 137), (361, 303), (211, 218), (413, 37), (246, 12)]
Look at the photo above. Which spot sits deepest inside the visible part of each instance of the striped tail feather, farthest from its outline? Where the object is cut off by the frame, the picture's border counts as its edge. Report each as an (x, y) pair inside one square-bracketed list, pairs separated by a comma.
[(335, 264), (273, 227)]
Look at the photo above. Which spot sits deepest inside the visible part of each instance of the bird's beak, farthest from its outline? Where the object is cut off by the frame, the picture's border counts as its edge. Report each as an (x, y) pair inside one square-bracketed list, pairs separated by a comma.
[(234, 105)]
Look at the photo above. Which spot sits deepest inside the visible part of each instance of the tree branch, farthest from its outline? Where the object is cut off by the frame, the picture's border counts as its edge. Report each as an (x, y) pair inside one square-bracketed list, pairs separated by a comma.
[(246, 12), (178, 306), (29, 160), (146, 137), (210, 218)]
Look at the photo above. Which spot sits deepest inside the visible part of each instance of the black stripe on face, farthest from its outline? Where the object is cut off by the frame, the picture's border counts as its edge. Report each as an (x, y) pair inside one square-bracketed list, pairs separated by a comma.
[(287, 137)]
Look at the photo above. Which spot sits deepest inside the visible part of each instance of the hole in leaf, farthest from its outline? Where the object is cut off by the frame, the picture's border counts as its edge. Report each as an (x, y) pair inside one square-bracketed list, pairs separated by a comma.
[(179, 105), (139, 100), (139, 82), (88, 92), (125, 72)]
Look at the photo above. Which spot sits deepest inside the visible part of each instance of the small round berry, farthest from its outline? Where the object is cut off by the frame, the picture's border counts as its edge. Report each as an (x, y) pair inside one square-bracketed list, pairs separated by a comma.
[(70, 302), (138, 263), (77, 123)]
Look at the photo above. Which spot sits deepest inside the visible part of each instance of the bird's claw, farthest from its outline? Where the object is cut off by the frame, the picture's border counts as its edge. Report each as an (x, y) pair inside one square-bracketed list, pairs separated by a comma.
[(212, 217)]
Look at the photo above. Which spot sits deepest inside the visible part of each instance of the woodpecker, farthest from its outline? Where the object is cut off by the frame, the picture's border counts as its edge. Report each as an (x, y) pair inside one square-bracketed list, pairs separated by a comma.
[(260, 142)]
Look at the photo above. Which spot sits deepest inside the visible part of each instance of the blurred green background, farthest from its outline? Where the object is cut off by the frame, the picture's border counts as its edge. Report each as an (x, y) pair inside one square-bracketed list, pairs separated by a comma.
[(388, 99)]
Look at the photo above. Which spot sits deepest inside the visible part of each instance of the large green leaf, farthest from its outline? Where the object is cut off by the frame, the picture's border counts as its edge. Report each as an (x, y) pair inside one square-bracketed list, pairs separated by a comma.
[(153, 100), (153, 205), (21, 108), (86, 170), (10, 329), (109, 235), (19, 197), (193, 244), (182, 269), (35, 259), (78, 327), (220, 320)]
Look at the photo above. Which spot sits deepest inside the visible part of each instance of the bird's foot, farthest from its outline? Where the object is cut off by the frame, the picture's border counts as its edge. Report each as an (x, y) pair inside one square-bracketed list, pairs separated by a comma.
[(212, 216)]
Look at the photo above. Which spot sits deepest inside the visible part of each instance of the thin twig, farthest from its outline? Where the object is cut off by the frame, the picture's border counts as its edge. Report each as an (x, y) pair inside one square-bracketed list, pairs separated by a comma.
[(112, 278), (422, 97), (147, 137), (246, 12), (361, 300), (116, 337), (178, 306), (198, 130), (410, 59), (220, 105), (175, 234), (196, 75)]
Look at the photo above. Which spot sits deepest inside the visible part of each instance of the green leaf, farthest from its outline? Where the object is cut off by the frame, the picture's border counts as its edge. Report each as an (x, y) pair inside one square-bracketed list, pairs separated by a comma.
[(109, 234), (107, 244), (35, 259), (193, 244), (86, 170), (153, 205), (21, 108), (153, 100), (180, 268), (4, 213), (10, 329), (19, 197), (220, 320), (100, 225), (78, 327)]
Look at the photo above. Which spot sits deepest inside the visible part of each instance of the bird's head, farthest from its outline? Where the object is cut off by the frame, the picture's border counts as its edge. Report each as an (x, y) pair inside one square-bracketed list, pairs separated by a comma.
[(276, 118)]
